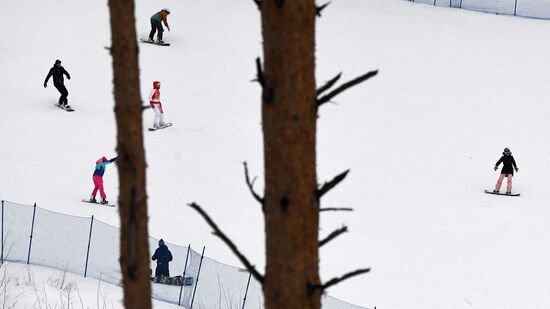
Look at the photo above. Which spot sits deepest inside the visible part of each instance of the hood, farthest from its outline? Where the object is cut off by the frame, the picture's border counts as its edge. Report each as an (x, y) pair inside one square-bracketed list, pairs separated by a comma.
[(156, 84)]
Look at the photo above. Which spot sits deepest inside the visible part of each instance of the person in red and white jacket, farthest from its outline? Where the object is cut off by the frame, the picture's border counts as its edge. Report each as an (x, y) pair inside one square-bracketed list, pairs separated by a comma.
[(154, 100)]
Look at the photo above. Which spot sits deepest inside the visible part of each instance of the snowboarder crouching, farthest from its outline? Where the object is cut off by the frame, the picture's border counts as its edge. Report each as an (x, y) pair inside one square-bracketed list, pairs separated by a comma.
[(57, 71), (154, 100), (98, 179), (156, 24), (163, 256), (508, 167)]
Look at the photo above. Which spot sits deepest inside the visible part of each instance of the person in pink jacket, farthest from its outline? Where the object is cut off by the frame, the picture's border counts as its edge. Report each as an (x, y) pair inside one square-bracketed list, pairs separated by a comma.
[(154, 100)]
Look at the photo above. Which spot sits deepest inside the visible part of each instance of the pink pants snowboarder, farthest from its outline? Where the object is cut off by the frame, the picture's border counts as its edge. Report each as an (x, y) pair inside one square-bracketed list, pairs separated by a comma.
[(98, 179), (98, 185)]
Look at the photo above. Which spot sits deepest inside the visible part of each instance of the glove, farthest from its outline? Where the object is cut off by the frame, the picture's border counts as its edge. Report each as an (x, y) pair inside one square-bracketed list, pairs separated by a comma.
[(517, 169), (45, 85), (68, 77), (496, 168)]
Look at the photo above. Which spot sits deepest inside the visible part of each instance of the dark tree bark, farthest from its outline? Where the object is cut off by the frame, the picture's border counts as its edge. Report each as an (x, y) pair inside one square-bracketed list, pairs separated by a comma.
[(134, 247), (289, 117)]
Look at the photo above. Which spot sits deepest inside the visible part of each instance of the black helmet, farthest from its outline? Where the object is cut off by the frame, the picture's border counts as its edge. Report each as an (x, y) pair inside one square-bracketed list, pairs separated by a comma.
[(506, 152)]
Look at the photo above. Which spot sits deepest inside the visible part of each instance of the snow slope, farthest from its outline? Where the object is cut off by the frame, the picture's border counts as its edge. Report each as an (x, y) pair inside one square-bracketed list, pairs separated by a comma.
[(31, 286), (455, 87)]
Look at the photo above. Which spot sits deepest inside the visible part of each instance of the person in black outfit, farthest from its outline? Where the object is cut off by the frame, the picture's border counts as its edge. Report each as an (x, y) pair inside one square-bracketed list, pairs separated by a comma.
[(162, 256), (57, 71), (508, 167)]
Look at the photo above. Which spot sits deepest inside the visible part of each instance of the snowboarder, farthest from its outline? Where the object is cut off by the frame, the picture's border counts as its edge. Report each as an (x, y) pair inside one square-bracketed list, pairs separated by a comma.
[(162, 256), (154, 100), (57, 71), (98, 179), (508, 167), (156, 24)]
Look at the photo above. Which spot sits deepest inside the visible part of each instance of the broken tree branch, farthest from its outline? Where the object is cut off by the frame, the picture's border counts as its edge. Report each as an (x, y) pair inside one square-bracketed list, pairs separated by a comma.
[(320, 8), (259, 4), (228, 242), (329, 84), (333, 235), (335, 281), (259, 73), (344, 87), (327, 186), (250, 185)]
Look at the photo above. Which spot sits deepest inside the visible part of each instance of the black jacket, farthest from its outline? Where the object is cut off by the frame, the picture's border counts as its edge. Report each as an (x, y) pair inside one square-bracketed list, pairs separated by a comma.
[(508, 166), (57, 73), (162, 255)]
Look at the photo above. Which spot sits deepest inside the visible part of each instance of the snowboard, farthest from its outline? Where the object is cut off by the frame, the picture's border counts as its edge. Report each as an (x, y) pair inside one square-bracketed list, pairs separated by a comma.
[(166, 125), (154, 42), (491, 192), (177, 280), (68, 108), (88, 201)]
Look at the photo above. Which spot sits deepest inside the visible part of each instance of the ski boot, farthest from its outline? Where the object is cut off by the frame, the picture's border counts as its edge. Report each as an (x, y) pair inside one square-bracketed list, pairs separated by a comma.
[(160, 41), (495, 191), (92, 199), (508, 192), (150, 40), (104, 201)]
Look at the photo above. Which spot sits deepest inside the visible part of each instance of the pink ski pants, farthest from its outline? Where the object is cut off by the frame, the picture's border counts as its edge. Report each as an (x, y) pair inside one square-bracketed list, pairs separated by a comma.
[(508, 184), (98, 185)]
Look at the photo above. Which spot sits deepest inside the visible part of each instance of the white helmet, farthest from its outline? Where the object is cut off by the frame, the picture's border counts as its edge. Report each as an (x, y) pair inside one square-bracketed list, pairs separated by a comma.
[(167, 10)]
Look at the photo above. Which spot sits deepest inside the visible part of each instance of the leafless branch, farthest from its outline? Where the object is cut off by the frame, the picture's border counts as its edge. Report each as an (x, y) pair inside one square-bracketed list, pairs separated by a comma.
[(345, 86), (228, 242), (329, 84), (336, 209), (333, 235), (335, 281), (250, 185), (320, 8), (327, 186)]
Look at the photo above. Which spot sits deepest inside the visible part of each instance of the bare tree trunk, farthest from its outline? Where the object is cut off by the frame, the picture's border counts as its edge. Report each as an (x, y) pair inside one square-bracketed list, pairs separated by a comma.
[(289, 117), (134, 247)]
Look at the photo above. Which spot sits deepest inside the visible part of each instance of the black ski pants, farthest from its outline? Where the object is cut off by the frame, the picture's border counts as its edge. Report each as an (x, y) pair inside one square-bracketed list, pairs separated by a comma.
[(64, 94), (156, 26), (162, 270)]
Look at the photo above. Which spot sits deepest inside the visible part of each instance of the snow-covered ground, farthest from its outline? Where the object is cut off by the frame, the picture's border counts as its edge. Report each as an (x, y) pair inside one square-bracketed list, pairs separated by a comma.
[(455, 87), (30, 286)]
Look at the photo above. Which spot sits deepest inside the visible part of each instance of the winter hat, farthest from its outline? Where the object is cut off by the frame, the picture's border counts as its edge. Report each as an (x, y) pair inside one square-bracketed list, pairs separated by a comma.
[(161, 242), (156, 84), (101, 160), (167, 10), (506, 152), (57, 61)]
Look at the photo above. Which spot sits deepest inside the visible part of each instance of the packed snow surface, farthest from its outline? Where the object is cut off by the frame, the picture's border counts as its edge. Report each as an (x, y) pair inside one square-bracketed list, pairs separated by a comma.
[(454, 88), (31, 286)]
